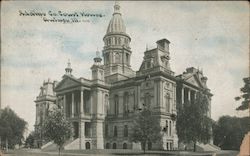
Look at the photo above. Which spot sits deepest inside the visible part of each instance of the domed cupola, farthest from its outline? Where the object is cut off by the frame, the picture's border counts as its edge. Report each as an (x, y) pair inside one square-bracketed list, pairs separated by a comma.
[(116, 32), (116, 24), (116, 50)]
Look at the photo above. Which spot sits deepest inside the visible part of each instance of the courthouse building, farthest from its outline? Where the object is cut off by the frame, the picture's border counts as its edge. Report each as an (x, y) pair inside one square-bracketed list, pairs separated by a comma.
[(102, 109)]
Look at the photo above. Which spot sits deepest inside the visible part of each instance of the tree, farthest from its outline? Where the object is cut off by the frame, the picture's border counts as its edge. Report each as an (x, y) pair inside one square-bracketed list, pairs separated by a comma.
[(245, 104), (146, 128), (12, 128), (193, 125), (229, 131), (29, 142), (56, 128)]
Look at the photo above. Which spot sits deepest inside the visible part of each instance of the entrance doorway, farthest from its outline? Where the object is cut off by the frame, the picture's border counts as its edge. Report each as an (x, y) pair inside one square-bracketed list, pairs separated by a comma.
[(87, 145)]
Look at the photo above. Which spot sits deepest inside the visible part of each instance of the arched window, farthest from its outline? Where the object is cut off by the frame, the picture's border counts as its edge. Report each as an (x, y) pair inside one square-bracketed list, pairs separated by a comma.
[(116, 105), (114, 145), (167, 127), (107, 58), (125, 102), (119, 41), (167, 102), (106, 107), (116, 57), (125, 133), (170, 128), (87, 145), (147, 101), (107, 145), (115, 40), (125, 146), (115, 131), (106, 130), (109, 41), (127, 58)]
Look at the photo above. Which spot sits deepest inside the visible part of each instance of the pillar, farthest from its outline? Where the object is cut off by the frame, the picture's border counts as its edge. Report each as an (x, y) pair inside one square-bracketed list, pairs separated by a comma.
[(189, 94), (82, 134), (64, 105), (182, 95), (73, 105), (81, 103), (161, 93), (99, 134)]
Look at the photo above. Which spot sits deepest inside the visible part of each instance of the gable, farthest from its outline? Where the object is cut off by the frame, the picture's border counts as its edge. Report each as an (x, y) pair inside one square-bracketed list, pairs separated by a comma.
[(194, 81), (67, 83)]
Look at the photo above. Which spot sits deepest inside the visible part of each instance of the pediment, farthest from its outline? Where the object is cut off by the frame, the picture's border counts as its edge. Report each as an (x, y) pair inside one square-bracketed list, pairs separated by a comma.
[(194, 80), (67, 83)]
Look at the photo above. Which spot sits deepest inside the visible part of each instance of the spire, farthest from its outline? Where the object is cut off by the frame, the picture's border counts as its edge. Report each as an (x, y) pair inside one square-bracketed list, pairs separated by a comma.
[(68, 69), (116, 8)]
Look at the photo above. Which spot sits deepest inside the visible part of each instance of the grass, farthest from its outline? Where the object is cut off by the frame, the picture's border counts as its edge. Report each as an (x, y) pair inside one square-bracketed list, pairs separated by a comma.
[(118, 152)]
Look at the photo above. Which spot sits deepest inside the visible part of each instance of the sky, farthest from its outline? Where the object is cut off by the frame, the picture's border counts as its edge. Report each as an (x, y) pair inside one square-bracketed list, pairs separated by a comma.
[(212, 36)]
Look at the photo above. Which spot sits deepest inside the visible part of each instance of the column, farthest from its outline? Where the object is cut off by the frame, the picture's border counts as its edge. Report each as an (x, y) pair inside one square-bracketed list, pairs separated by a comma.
[(182, 95), (189, 95), (120, 105), (161, 94), (73, 105), (64, 105), (81, 103), (99, 135), (82, 134)]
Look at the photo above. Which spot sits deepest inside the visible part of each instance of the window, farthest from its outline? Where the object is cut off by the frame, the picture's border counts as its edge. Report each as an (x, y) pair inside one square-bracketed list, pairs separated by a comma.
[(109, 41), (126, 102), (125, 131), (114, 145), (87, 145), (170, 127), (116, 41), (106, 130), (119, 41), (167, 127), (115, 131), (107, 58), (167, 102), (107, 145), (116, 105), (127, 58), (106, 107), (124, 146), (147, 99)]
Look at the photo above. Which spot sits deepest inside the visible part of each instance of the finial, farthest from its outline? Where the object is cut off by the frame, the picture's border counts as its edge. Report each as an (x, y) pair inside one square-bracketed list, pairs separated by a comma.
[(69, 64), (146, 47), (116, 7), (68, 69), (97, 53)]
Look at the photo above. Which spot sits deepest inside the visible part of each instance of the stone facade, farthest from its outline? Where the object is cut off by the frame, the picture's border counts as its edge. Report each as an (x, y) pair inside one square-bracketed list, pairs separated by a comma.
[(102, 109)]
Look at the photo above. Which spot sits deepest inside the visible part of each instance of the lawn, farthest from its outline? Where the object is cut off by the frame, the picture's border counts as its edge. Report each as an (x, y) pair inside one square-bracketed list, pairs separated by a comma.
[(118, 152)]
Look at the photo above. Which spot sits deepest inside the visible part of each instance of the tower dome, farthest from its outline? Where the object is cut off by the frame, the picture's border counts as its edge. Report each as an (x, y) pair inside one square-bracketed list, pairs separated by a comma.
[(116, 24)]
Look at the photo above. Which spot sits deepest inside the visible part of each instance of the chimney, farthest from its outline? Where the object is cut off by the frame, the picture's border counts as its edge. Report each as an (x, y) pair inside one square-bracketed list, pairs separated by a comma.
[(163, 44)]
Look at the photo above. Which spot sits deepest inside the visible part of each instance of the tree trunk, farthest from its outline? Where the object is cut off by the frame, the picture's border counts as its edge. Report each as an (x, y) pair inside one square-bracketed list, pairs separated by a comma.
[(194, 146), (59, 150), (144, 147), (6, 144)]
